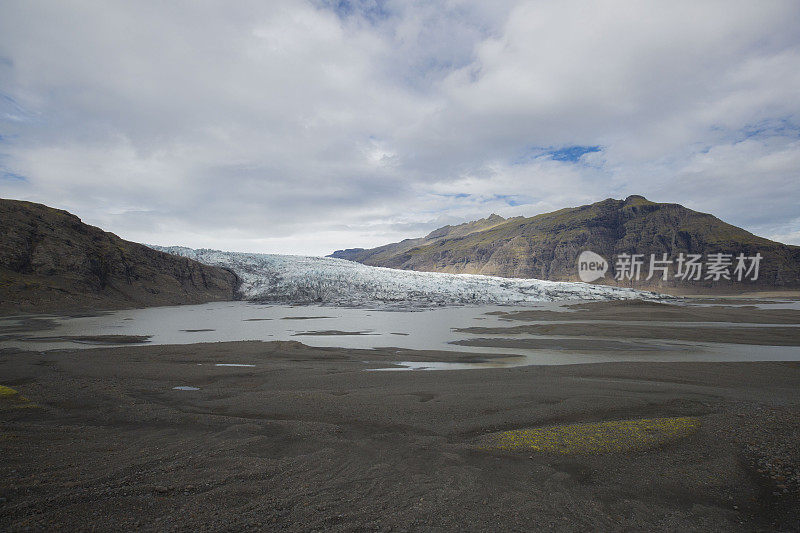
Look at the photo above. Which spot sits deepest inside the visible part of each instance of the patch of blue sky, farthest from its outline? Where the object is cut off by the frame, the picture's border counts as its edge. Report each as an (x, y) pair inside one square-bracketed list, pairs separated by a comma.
[(11, 110), (10, 102), (569, 154), (5, 138), (783, 127), (11, 176), (373, 11), (512, 200), (443, 65), (454, 195)]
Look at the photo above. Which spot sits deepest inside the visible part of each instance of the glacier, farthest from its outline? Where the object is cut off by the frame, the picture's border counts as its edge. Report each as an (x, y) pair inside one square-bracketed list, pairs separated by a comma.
[(306, 279)]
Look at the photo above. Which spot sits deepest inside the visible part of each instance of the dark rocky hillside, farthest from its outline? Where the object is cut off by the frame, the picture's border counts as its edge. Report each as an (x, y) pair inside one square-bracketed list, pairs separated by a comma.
[(51, 261), (547, 246)]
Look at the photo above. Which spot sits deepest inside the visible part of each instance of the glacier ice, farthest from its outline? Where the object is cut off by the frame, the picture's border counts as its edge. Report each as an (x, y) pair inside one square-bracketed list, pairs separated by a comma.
[(303, 279)]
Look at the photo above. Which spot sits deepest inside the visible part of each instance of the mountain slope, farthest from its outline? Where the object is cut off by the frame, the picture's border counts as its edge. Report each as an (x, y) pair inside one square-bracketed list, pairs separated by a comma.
[(375, 256), (50, 260), (547, 246)]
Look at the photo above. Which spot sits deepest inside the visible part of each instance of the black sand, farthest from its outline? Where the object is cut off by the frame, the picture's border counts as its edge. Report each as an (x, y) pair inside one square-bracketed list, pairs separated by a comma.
[(308, 440)]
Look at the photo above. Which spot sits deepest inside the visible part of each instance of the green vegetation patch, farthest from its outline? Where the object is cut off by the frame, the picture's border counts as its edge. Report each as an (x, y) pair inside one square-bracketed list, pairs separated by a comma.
[(8, 392), (13, 397), (595, 437)]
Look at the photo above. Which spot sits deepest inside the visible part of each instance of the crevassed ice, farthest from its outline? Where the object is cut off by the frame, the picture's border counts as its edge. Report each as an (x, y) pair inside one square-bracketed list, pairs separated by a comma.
[(302, 279)]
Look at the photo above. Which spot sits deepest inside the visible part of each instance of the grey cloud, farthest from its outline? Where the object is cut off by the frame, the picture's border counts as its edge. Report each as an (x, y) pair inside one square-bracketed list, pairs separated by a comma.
[(294, 126)]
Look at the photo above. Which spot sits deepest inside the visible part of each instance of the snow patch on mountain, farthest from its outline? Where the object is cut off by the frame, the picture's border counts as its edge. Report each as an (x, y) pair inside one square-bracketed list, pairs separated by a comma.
[(302, 279)]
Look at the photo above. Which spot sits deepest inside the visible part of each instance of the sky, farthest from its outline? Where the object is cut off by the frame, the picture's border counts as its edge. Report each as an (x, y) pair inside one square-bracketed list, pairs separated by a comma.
[(308, 126)]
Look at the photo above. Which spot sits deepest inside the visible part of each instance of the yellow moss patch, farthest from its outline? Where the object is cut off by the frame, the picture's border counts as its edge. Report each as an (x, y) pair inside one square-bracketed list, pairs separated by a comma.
[(596, 437), (17, 400), (7, 392)]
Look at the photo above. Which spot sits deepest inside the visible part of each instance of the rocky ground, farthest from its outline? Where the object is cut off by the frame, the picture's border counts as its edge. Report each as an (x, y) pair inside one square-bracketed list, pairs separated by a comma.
[(307, 439)]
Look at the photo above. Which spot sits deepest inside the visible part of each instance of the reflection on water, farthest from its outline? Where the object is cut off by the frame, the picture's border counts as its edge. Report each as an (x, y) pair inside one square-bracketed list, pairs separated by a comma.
[(711, 352), (313, 325), (428, 329), (443, 365)]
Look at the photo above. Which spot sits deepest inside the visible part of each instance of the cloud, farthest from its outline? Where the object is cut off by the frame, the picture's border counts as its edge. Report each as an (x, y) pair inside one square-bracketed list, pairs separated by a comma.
[(302, 127)]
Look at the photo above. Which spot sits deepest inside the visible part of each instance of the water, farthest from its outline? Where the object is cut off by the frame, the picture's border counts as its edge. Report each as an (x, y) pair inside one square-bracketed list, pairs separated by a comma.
[(314, 325), (428, 329)]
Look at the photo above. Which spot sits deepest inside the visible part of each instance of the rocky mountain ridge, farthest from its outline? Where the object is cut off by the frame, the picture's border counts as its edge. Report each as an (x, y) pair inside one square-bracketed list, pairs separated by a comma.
[(51, 261), (547, 246)]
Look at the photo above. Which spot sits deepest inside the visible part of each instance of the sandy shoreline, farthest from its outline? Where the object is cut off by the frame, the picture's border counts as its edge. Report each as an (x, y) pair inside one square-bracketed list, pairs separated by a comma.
[(306, 439)]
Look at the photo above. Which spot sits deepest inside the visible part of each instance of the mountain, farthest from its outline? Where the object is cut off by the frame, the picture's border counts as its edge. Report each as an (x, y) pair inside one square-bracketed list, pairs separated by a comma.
[(51, 261), (383, 254), (547, 246)]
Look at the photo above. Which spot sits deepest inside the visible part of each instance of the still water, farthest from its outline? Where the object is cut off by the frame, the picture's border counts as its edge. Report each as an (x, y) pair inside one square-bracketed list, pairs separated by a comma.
[(427, 329)]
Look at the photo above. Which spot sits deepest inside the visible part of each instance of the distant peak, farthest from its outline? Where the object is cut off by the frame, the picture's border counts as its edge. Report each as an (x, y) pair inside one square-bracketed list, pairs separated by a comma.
[(636, 198), (494, 216)]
